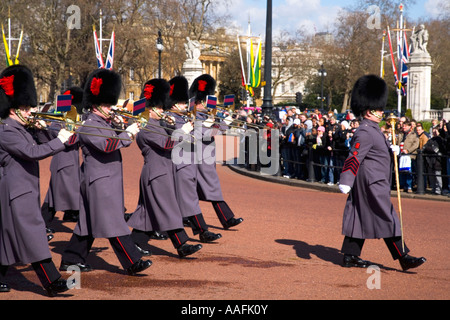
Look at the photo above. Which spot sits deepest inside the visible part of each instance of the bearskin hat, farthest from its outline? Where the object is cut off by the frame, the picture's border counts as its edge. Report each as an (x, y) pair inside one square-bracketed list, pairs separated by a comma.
[(156, 93), (369, 92), (179, 89), (102, 87), (77, 98), (17, 89), (202, 87)]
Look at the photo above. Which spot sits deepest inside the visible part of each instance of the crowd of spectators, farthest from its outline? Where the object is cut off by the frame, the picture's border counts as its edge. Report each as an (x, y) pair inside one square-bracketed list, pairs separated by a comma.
[(324, 139)]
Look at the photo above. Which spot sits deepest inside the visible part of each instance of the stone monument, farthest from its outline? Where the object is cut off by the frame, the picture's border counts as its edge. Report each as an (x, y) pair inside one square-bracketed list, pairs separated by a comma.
[(418, 97), (192, 67)]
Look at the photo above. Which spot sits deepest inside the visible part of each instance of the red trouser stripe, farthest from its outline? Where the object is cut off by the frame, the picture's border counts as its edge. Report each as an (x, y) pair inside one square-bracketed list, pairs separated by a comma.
[(221, 211), (124, 250), (397, 249), (42, 267), (177, 238), (198, 224)]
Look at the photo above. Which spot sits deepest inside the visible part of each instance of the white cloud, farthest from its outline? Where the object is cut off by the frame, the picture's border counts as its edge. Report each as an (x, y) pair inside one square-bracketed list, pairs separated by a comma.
[(434, 7)]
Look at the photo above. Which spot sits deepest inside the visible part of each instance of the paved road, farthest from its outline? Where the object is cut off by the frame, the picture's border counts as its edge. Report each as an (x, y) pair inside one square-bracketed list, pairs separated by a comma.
[(287, 248)]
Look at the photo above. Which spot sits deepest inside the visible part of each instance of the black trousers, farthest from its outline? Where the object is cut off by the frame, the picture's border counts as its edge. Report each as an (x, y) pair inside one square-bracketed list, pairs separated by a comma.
[(177, 236), (45, 270), (354, 246), (79, 247), (197, 223), (223, 211), (47, 213)]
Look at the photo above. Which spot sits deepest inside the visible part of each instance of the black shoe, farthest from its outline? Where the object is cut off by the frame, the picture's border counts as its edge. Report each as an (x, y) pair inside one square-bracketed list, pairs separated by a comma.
[(70, 216), (188, 249), (232, 222), (50, 237), (157, 236), (127, 216), (139, 266), (4, 287), (50, 230), (143, 251), (208, 236), (83, 267), (56, 287), (355, 261), (408, 262)]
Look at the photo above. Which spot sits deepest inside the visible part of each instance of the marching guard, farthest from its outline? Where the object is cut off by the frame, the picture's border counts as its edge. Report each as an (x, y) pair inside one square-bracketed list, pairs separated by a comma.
[(22, 229), (186, 170), (208, 183), (366, 177), (64, 188), (102, 196), (158, 209)]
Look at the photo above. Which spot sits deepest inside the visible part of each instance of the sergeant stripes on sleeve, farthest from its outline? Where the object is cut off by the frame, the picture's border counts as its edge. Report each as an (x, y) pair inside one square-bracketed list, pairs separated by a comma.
[(111, 144), (351, 164), (169, 143)]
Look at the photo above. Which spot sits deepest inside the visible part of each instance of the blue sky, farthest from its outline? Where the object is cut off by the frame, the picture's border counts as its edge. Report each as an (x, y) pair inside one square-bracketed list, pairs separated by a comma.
[(310, 15)]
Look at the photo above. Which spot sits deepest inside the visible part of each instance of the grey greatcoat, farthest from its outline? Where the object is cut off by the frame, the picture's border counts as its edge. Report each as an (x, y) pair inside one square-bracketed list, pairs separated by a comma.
[(22, 229), (64, 187), (157, 208), (186, 175), (208, 183), (369, 213), (102, 202)]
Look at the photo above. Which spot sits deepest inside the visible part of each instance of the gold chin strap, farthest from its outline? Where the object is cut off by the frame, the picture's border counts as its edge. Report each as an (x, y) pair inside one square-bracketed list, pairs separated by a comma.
[(103, 112), (157, 113), (376, 115), (20, 116)]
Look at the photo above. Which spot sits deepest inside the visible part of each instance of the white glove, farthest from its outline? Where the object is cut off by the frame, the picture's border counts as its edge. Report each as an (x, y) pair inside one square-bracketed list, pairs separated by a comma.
[(344, 189), (187, 127), (133, 130), (64, 135), (208, 122), (42, 124), (228, 120), (395, 149)]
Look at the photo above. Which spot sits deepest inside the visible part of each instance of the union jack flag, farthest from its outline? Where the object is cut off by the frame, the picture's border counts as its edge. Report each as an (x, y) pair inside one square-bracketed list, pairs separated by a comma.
[(98, 52), (110, 58)]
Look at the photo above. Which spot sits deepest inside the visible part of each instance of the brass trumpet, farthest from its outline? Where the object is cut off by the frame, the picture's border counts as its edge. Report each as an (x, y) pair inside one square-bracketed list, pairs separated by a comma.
[(69, 119), (143, 121)]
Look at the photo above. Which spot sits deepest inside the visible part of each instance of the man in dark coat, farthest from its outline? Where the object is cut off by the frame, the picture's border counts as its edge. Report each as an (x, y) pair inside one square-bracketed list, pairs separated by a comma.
[(158, 209), (208, 183), (64, 188), (22, 229), (102, 197), (186, 169), (366, 176)]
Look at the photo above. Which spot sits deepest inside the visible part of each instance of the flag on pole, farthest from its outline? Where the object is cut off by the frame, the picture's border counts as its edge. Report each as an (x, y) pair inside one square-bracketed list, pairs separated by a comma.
[(228, 100), (211, 102), (138, 106), (405, 59), (16, 61), (98, 53), (8, 56), (63, 102), (256, 68), (394, 67), (191, 104), (110, 58)]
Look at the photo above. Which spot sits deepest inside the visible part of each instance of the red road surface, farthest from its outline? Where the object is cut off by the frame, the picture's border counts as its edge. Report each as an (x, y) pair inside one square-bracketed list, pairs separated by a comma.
[(287, 248)]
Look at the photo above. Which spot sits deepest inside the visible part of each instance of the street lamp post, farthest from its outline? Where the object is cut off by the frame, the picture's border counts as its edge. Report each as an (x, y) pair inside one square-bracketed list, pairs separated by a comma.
[(267, 99), (160, 48), (322, 73)]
